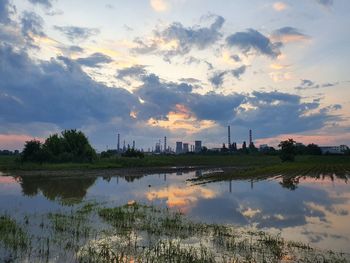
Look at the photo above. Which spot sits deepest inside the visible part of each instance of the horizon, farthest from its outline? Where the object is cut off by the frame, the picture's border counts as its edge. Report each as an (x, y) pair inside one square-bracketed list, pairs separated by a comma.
[(177, 68)]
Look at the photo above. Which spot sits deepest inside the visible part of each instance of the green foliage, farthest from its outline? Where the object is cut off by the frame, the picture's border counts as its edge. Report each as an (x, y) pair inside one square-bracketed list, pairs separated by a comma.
[(288, 150), (70, 146), (12, 235), (33, 152)]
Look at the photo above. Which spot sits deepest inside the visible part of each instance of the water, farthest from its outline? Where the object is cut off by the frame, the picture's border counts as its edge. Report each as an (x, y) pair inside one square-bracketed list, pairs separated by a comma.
[(306, 209)]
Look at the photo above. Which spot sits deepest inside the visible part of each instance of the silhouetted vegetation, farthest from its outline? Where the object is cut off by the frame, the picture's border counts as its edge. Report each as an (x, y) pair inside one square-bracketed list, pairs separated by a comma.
[(133, 153), (288, 150), (70, 146), (8, 152)]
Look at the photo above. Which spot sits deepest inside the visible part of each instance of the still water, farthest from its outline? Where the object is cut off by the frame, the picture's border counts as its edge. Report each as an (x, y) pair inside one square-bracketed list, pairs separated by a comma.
[(307, 209)]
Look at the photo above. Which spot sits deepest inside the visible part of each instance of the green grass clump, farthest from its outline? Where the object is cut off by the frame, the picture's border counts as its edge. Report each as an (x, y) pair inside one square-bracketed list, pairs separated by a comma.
[(12, 235)]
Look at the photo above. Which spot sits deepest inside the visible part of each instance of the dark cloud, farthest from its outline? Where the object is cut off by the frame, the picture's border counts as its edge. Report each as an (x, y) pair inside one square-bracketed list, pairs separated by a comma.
[(76, 49), (307, 84), (137, 71), (186, 37), (44, 3), (6, 9), (95, 60), (254, 40), (74, 33), (326, 3), (32, 25), (162, 97), (57, 92), (193, 60), (274, 113), (288, 34), (236, 58), (190, 80), (217, 79), (238, 71)]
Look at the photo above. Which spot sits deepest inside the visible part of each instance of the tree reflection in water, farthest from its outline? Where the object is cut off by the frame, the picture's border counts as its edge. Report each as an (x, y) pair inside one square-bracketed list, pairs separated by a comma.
[(68, 190)]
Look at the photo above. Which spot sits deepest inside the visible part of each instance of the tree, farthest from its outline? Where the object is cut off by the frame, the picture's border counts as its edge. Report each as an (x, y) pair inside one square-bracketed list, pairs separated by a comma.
[(287, 150), (33, 152), (77, 146), (70, 146), (313, 149)]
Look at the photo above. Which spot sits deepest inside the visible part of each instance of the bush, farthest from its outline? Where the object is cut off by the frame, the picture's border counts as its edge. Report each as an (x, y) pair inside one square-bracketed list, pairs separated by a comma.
[(133, 153)]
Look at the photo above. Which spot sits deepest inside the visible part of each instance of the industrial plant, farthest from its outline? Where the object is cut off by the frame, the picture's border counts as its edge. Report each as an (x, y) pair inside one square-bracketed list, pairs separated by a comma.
[(197, 146)]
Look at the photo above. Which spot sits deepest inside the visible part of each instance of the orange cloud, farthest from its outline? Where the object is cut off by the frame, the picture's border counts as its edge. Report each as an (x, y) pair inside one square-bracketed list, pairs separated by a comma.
[(280, 6), (181, 197), (159, 5), (182, 118)]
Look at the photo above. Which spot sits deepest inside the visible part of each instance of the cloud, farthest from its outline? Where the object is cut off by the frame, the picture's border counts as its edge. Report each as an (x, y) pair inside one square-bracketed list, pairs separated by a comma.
[(254, 40), (58, 94), (74, 33), (159, 5), (44, 3), (217, 78), (326, 3), (32, 25), (137, 71), (307, 84), (238, 71), (176, 39), (6, 10), (94, 60), (56, 91), (236, 58), (279, 6), (54, 12), (274, 113), (288, 34)]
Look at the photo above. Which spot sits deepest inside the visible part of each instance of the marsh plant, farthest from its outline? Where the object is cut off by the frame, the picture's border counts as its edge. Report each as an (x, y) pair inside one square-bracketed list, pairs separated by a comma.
[(140, 233)]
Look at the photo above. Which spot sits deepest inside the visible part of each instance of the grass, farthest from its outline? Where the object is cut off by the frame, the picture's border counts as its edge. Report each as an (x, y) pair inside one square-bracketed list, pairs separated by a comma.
[(11, 234), (313, 166), (140, 233), (10, 163)]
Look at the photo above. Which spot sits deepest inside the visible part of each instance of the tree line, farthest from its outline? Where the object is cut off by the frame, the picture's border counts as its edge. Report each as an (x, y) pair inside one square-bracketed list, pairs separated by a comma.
[(69, 146)]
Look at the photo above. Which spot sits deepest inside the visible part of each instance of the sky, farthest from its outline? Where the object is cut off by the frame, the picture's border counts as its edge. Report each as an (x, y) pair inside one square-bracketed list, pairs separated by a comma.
[(185, 69)]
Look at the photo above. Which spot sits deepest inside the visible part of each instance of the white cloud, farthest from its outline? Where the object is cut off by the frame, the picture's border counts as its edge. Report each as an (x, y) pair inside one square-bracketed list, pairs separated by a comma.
[(159, 5)]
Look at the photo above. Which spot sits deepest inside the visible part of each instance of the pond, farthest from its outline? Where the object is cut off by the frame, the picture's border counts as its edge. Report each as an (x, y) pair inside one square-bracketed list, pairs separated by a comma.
[(313, 210)]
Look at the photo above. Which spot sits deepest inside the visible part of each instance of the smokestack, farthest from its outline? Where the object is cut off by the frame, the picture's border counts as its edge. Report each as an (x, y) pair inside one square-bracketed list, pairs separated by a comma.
[(118, 145), (250, 137), (133, 145), (165, 149), (229, 136)]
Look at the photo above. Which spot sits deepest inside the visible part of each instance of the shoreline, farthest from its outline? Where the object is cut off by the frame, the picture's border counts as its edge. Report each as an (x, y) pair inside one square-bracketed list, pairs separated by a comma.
[(131, 171)]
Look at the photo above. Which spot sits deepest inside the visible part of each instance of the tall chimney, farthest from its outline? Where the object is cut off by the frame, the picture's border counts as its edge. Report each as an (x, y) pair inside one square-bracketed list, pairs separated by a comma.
[(165, 149), (118, 145), (229, 136), (250, 137)]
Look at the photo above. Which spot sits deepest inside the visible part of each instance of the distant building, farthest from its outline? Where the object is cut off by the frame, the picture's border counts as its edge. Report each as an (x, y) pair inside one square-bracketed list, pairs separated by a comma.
[(263, 147), (197, 146), (341, 149), (157, 148), (185, 148), (179, 147)]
